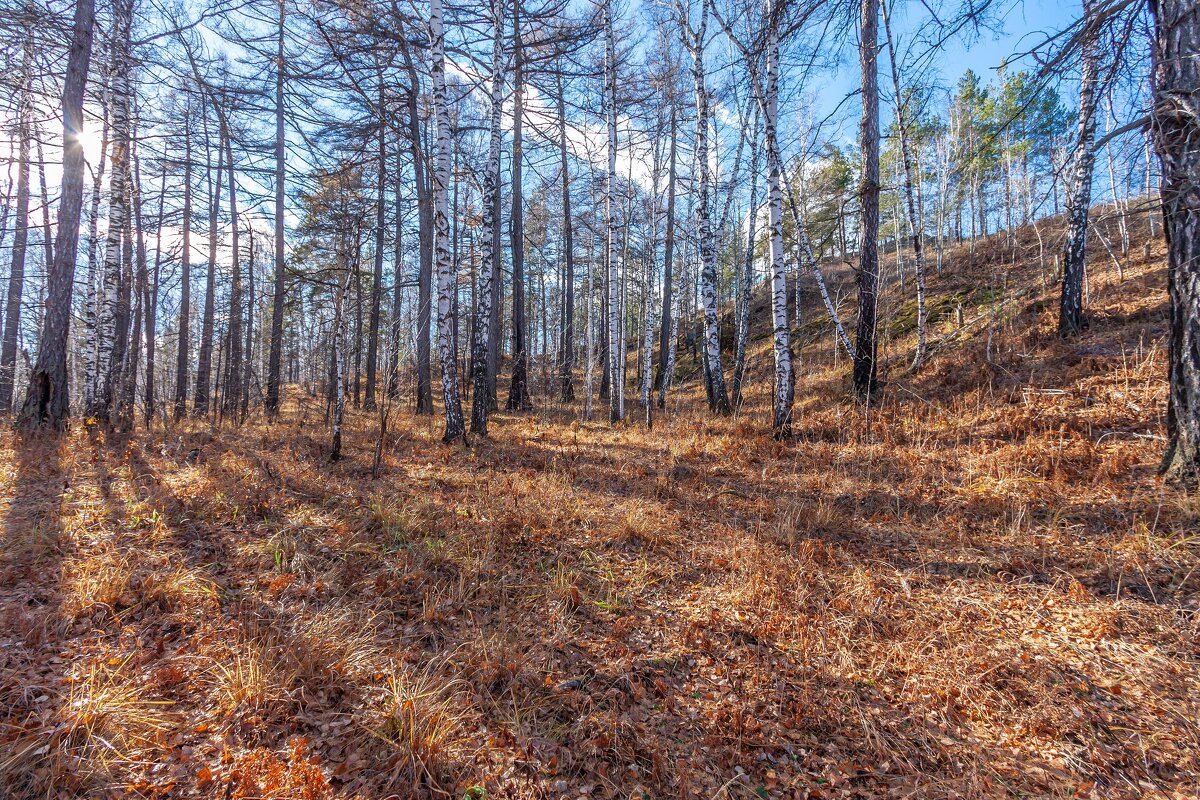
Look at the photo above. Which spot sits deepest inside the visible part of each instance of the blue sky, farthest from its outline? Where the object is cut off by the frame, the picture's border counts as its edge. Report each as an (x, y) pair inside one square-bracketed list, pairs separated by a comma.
[(1017, 26)]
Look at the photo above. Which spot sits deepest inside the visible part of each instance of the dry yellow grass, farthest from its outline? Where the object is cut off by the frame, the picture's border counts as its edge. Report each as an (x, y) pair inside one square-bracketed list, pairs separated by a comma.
[(979, 589)]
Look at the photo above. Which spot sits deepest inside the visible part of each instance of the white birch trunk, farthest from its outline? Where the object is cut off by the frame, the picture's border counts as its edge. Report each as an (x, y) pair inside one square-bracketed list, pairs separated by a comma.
[(781, 341), (106, 369), (446, 278), (491, 215), (719, 397)]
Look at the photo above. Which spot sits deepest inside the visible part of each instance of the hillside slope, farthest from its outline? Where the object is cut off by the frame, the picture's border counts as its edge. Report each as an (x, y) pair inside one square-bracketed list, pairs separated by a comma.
[(976, 588)]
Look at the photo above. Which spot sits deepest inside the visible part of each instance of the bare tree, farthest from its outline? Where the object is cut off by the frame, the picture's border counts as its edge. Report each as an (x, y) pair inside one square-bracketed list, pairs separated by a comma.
[(47, 403), (1176, 130)]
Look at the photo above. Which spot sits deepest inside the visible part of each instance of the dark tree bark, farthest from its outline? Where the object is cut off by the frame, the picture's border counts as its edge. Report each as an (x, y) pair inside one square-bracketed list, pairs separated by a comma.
[(377, 281), (868, 193), (745, 278), (16, 275), (567, 346), (274, 360), (233, 386), (664, 334), (518, 392), (425, 233), (1176, 131), (150, 303), (47, 403), (200, 402), (397, 282), (183, 354), (248, 361)]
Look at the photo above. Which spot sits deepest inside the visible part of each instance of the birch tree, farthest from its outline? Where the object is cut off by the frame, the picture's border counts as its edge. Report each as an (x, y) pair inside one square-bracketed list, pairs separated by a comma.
[(446, 278), (1079, 190), (694, 41), (107, 328), (484, 341)]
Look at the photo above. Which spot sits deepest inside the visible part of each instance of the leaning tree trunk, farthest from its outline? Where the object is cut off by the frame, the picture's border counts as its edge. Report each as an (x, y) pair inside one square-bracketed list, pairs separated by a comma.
[(484, 342), (1176, 130), (868, 193), (446, 279), (1079, 194), (47, 403)]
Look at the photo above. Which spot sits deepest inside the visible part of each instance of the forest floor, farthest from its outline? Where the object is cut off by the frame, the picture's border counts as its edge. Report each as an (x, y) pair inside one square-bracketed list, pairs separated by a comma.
[(980, 588)]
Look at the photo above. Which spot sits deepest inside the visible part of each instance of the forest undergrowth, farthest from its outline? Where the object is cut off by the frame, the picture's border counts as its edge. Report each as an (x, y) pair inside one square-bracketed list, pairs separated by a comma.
[(979, 587)]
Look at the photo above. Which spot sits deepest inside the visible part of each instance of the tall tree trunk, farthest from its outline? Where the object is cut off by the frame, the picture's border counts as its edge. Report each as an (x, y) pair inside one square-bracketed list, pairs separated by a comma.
[(47, 403), (377, 281), (447, 280), (200, 399), (746, 276), (150, 303), (485, 343), (274, 360), (1176, 129), (589, 333), (47, 241), (16, 275), (233, 386), (781, 337), (868, 193), (567, 346), (518, 392), (183, 352), (108, 335), (137, 282), (397, 283), (616, 347), (92, 290), (665, 341), (425, 240), (915, 222), (719, 396), (338, 342), (1079, 196)]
